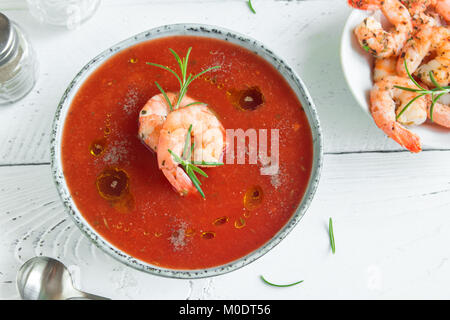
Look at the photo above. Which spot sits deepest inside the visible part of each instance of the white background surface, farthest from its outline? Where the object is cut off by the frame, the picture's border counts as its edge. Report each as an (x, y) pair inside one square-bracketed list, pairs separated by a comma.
[(391, 209)]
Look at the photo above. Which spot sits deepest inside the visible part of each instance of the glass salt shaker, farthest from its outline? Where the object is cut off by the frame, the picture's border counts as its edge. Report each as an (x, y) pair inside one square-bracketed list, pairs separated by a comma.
[(18, 64)]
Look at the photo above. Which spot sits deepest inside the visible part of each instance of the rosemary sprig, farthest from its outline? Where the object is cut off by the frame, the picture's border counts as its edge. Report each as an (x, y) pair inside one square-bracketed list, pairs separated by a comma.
[(190, 167), (184, 80), (436, 93), (331, 234), (280, 285), (249, 2)]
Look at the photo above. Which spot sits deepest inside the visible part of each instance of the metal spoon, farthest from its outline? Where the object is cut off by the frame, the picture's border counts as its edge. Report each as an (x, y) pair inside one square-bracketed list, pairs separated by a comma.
[(44, 278)]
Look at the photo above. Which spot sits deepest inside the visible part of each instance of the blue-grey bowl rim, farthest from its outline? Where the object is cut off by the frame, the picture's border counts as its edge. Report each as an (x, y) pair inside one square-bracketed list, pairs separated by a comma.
[(195, 30)]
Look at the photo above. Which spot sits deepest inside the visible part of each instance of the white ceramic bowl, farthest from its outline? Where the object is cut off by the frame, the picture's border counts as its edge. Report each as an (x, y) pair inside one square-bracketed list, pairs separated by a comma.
[(357, 68), (202, 31)]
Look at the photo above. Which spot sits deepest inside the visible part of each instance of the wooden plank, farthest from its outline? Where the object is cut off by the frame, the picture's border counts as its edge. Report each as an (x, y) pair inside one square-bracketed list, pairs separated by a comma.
[(305, 33), (22, 5), (390, 213), (33, 223)]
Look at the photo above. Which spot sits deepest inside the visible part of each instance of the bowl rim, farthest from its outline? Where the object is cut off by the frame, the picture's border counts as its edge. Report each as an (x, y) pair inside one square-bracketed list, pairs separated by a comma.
[(201, 30)]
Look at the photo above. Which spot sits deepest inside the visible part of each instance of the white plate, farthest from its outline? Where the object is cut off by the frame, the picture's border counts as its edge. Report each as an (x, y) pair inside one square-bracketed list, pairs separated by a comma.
[(357, 68)]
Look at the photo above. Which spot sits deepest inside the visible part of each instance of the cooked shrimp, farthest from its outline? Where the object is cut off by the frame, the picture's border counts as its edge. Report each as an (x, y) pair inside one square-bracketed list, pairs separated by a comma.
[(417, 6), (442, 7), (153, 115), (441, 113), (371, 5), (208, 136), (416, 114), (384, 67), (383, 99), (370, 33), (439, 66), (415, 50), (417, 9)]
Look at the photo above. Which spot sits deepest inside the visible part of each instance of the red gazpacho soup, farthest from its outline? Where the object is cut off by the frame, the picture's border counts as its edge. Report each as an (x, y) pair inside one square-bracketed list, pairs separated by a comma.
[(115, 181)]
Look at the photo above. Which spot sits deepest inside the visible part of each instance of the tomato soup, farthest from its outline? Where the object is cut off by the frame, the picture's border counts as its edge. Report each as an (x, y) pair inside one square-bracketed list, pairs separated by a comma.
[(139, 212)]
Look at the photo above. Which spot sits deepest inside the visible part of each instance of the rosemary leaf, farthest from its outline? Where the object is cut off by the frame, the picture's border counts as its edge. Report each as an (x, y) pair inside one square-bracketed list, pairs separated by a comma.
[(193, 103), (187, 145), (196, 183), (204, 71), (406, 89), (191, 167), (436, 84), (205, 163), (436, 93), (409, 104), (186, 59), (433, 104), (251, 6), (177, 57), (165, 96), (167, 69), (176, 158), (331, 234), (200, 171), (184, 80), (280, 285), (411, 77)]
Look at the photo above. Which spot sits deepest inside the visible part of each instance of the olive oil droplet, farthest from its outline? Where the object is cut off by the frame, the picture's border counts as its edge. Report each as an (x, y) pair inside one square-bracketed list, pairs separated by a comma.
[(97, 147), (253, 198)]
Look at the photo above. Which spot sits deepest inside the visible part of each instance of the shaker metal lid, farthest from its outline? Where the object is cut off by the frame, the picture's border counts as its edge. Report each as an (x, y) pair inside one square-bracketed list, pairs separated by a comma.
[(8, 39)]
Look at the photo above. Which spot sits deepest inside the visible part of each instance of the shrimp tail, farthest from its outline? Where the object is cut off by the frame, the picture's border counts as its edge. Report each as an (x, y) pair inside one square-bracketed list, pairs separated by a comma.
[(406, 138), (180, 181), (399, 134)]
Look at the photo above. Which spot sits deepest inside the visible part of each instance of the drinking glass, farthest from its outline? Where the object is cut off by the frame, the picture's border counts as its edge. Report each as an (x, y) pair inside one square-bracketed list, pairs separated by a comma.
[(68, 13)]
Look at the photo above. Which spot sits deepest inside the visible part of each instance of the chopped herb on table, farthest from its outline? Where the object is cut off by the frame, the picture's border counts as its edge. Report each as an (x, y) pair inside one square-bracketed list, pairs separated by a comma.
[(251, 6), (280, 285), (331, 234)]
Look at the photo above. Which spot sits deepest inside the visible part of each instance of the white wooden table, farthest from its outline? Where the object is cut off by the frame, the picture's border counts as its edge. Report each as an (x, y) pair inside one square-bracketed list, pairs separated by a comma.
[(391, 209)]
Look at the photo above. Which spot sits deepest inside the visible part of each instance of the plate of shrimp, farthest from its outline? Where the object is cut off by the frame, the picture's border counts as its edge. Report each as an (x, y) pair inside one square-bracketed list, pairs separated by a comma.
[(395, 56)]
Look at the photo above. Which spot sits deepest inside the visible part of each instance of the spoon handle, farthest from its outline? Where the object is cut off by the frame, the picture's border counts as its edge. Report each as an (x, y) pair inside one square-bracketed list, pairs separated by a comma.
[(81, 295), (92, 296)]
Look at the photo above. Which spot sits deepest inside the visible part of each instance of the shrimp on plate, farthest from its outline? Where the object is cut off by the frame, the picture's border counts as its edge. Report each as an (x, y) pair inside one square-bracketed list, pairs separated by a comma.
[(153, 115), (384, 99), (208, 137), (384, 67), (417, 47), (441, 112), (427, 11), (417, 6), (370, 33), (442, 7), (418, 9), (439, 66), (422, 44), (415, 50)]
